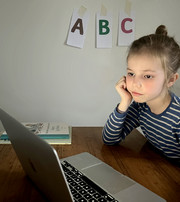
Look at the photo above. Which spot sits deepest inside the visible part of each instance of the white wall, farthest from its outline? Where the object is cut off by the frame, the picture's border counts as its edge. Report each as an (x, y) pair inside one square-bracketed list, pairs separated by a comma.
[(42, 79)]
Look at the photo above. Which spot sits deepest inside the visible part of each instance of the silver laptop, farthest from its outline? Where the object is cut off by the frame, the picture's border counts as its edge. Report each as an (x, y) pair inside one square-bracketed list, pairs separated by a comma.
[(80, 178)]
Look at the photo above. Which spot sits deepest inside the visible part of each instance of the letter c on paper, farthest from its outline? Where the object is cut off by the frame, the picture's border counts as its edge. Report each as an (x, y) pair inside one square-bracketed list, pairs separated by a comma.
[(123, 25)]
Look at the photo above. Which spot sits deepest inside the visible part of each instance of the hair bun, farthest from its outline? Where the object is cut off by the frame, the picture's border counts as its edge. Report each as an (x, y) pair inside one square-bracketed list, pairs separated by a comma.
[(161, 30)]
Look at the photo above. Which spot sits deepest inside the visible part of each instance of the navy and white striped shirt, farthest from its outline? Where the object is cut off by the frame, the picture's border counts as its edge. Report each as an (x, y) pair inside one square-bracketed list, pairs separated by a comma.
[(162, 130)]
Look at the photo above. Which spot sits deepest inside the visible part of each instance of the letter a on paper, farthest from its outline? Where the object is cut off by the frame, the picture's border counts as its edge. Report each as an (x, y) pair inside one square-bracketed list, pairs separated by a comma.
[(78, 25), (77, 31)]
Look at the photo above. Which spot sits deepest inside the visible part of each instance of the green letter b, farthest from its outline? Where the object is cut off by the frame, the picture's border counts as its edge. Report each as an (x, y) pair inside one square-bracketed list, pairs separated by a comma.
[(103, 27)]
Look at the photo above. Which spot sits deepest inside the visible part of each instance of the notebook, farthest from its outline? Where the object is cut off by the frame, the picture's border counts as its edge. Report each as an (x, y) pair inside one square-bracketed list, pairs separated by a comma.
[(78, 178)]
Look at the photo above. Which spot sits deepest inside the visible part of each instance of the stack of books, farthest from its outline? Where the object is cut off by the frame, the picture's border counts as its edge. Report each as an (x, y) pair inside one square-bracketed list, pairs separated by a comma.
[(53, 133)]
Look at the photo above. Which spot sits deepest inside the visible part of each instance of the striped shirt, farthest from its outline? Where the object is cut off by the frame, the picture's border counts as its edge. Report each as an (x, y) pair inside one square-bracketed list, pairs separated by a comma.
[(162, 130)]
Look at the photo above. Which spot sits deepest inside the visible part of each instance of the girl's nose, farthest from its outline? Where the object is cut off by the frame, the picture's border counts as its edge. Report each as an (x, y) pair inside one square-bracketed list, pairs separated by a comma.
[(137, 82)]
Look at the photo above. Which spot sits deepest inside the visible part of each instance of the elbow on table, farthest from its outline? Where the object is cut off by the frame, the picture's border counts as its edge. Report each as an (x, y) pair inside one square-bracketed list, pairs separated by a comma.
[(107, 142)]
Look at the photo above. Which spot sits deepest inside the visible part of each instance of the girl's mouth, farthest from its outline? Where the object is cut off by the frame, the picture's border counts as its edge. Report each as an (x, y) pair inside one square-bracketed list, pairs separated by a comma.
[(136, 94)]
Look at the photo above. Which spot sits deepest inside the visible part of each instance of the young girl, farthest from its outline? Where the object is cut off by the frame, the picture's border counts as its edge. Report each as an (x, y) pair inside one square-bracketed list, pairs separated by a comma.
[(152, 65)]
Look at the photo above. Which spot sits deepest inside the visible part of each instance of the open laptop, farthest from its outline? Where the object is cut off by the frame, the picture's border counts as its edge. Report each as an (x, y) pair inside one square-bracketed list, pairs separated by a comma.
[(80, 178)]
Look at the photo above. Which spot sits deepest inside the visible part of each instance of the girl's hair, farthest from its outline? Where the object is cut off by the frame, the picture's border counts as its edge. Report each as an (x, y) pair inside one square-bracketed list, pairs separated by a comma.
[(159, 45)]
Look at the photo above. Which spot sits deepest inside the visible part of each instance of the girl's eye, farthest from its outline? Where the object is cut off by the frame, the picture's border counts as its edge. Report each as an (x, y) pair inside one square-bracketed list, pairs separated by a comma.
[(148, 76), (130, 74)]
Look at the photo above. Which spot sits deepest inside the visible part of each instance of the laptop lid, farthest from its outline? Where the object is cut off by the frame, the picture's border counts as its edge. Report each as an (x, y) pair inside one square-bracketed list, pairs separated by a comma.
[(38, 159)]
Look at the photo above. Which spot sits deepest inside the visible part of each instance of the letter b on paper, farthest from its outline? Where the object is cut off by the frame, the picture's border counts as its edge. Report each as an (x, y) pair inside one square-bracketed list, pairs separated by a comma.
[(103, 31), (103, 27)]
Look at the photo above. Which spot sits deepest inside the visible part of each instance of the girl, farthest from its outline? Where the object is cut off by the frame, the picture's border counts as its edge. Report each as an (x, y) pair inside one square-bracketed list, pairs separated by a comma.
[(152, 65)]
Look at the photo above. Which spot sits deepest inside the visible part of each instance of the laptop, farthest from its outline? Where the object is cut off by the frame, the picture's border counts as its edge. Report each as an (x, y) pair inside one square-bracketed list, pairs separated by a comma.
[(78, 178)]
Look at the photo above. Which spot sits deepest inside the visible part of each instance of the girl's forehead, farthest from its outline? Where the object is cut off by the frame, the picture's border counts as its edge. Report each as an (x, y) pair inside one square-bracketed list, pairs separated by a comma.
[(144, 62)]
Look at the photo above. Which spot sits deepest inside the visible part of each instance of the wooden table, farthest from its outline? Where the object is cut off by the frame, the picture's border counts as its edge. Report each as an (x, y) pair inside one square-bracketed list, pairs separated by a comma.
[(134, 157)]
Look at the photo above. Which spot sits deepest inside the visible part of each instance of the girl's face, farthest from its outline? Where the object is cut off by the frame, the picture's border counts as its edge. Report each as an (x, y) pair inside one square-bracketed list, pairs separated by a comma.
[(145, 78)]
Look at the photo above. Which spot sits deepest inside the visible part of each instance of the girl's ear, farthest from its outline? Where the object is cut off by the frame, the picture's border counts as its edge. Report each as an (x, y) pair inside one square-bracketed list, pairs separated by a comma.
[(172, 79)]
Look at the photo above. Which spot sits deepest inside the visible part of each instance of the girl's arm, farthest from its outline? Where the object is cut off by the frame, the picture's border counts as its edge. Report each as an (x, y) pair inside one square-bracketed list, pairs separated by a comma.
[(119, 125), (114, 130)]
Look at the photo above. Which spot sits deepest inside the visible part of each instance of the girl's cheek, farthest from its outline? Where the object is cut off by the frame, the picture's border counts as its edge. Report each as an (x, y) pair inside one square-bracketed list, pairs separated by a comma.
[(128, 82), (128, 79)]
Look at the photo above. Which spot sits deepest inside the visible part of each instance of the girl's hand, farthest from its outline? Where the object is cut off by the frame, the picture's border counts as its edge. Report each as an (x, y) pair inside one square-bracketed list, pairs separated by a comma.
[(126, 97)]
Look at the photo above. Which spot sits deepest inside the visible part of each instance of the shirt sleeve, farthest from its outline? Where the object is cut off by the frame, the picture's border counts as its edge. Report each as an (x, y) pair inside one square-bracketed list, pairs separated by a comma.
[(119, 125)]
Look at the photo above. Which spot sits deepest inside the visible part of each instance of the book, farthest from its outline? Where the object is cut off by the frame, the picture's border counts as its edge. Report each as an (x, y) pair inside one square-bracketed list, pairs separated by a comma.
[(53, 133)]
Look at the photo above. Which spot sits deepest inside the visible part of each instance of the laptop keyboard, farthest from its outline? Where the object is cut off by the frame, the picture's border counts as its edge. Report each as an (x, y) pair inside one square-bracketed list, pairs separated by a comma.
[(82, 188)]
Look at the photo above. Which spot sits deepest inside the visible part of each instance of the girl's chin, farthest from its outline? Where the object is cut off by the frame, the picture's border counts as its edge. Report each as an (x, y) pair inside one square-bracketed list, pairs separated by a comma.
[(139, 100)]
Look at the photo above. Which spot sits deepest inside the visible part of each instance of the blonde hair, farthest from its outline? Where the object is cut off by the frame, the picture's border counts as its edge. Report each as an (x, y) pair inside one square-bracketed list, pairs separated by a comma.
[(159, 45)]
